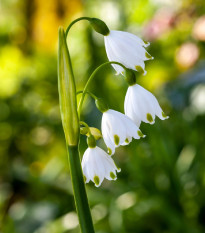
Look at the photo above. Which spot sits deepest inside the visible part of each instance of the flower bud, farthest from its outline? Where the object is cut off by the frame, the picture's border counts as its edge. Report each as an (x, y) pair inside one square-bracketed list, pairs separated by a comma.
[(99, 26), (67, 92), (101, 105), (130, 77)]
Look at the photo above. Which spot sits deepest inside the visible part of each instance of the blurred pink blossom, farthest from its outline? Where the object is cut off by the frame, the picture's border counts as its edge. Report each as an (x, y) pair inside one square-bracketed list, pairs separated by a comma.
[(161, 22), (199, 29), (187, 55)]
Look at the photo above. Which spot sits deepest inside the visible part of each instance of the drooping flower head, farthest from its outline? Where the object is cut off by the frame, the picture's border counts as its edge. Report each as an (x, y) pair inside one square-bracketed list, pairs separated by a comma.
[(117, 128), (142, 105), (97, 165), (127, 49)]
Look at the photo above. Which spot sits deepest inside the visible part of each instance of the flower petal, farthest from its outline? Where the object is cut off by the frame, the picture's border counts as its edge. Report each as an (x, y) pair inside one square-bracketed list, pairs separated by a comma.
[(118, 129), (142, 105), (127, 49), (97, 165)]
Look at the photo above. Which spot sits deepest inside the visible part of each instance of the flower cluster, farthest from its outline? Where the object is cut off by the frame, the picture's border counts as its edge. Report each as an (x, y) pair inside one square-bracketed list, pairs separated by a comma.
[(140, 105)]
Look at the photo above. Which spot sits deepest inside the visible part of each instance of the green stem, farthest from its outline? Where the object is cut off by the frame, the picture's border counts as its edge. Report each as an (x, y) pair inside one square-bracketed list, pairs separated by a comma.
[(80, 196), (75, 21), (81, 200), (86, 125), (90, 79), (87, 92)]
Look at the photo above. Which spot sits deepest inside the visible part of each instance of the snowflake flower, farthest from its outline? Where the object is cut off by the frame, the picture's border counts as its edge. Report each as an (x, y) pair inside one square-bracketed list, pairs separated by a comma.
[(118, 129), (128, 49), (97, 165), (142, 105)]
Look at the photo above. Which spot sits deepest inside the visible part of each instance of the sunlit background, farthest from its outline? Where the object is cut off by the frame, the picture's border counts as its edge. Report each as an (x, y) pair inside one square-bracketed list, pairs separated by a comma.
[(161, 188)]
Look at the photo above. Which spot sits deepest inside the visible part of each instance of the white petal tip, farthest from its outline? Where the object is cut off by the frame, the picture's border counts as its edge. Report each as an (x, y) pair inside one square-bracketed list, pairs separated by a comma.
[(150, 118), (140, 135), (110, 152), (97, 181), (164, 116), (146, 44), (126, 142), (139, 69), (150, 122), (114, 178)]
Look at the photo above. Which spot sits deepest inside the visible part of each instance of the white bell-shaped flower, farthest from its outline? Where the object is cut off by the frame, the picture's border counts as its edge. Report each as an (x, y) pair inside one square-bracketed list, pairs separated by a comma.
[(142, 105), (118, 129), (127, 49), (97, 165)]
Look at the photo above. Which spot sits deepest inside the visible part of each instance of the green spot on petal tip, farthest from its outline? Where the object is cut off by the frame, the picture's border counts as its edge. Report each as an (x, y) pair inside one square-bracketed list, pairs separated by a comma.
[(126, 140), (116, 139), (146, 42), (118, 168), (109, 151), (148, 56), (112, 175), (149, 117), (96, 180), (164, 115), (140, 134), (84, 177), (139, 69)]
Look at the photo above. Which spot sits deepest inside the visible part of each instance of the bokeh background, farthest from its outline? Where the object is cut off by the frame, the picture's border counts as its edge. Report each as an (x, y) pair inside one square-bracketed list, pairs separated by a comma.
[(161, 188)]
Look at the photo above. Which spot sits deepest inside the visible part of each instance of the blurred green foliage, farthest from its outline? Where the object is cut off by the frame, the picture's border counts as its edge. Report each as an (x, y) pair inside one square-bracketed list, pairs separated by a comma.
[(161, 187)]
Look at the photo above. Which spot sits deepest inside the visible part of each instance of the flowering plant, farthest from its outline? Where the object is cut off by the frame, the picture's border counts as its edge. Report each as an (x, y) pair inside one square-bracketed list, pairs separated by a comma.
[(126, 53)]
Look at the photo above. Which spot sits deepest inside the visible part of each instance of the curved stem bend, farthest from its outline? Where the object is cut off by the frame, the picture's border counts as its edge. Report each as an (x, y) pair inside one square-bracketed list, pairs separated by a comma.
[(75, 21), (80, 196), (90, 79), (87, 92), (86, 125)]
